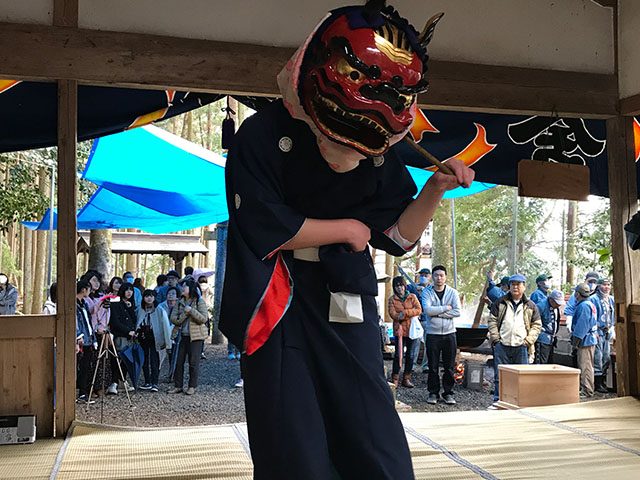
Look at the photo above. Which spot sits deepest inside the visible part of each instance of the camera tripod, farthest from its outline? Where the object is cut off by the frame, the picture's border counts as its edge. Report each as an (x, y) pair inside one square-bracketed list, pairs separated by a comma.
[(108, 349)]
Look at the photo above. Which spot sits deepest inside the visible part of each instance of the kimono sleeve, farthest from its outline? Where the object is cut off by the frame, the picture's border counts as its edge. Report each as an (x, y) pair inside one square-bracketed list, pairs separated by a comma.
[(395, 192), (254, 190)]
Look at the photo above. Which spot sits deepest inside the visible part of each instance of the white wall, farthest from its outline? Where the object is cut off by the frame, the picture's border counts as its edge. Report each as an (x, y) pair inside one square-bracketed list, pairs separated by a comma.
[(27, 11), (561, 35), (554, 34), (629, 47)]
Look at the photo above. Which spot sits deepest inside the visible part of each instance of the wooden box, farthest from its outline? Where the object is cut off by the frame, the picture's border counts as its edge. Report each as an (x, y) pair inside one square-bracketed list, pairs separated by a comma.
[(538, 385)]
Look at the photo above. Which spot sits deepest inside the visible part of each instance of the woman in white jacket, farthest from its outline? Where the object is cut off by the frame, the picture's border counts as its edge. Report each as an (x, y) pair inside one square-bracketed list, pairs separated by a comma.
[(154, 334)]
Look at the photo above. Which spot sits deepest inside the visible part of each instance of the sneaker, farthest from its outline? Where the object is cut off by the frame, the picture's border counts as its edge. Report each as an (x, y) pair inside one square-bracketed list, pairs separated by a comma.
[(231, 356), (112, 389), (190, 391), (449, 400), (493, 406), (130, 388), (85, 399), (432, 399), (203, 356), (175, 390), (238, 356), (154, 388), (146, 386), (239, 383)]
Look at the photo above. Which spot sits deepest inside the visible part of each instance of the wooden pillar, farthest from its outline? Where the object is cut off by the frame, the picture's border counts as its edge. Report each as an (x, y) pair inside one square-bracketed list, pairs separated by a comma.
[(65, 13), (623, 194)]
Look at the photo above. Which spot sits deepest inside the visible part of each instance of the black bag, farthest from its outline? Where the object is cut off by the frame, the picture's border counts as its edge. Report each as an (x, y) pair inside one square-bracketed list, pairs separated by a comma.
[(145, 336)]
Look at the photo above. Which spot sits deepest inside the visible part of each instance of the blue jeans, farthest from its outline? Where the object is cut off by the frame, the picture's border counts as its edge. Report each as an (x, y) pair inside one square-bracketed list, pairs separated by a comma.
[(505, 355), (602, 356)]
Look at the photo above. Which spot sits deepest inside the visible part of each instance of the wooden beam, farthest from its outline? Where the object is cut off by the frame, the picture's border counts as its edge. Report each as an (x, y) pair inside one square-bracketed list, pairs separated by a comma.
[(630, 106), (66, 268), (515, 90), (28, 326), (626, 262), (151, 61)]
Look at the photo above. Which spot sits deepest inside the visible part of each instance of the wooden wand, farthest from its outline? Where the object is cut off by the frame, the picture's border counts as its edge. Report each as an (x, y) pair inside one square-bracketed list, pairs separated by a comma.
[(441, 166)]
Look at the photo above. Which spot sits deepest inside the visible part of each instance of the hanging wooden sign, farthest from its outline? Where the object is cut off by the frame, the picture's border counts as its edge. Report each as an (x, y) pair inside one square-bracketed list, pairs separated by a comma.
[(542, 179)]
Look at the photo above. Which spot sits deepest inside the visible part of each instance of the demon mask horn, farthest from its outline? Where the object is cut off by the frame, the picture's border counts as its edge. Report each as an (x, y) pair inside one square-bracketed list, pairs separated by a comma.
[(430, 27)]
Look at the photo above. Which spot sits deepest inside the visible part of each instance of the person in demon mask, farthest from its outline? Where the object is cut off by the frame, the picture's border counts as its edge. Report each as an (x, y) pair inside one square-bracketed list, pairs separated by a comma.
[(311, 181)]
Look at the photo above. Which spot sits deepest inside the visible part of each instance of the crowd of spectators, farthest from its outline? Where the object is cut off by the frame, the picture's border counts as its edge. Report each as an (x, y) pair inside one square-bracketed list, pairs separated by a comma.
[(168, 324), (521, 329)]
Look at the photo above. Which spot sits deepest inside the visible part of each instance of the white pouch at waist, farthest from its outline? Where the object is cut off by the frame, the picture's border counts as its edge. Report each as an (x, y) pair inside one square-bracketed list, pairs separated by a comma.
[(345, 308)]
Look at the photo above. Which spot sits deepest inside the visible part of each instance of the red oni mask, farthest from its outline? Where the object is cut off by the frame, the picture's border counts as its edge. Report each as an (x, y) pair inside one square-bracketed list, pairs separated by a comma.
[(360, 85)]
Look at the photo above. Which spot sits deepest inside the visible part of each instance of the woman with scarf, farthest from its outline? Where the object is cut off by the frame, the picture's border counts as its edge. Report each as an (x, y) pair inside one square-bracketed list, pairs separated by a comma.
[(190, 315), (154, 333), (402, 307)]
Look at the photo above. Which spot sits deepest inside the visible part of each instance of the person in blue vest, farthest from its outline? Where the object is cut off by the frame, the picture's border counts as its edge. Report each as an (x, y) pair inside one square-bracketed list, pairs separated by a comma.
[(496, 292), (584, 337), (549, 309), (605, 308), (541, 293), (591, 279)]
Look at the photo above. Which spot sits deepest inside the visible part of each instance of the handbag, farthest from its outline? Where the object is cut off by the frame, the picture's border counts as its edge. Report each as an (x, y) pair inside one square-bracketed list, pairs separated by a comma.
[(415, 329)]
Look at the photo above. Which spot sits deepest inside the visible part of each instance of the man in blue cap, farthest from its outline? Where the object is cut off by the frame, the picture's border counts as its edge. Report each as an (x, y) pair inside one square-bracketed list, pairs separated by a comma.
[(514, 326), (541, 293)]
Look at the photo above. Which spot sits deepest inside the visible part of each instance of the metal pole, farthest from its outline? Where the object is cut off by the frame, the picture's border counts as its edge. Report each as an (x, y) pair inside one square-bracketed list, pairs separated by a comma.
[(50, 246), (514, 233), (453, 243), (562, 246)]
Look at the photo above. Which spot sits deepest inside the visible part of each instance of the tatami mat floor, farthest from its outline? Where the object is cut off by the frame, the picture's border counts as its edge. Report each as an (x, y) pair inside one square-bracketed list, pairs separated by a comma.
[(592, 440)]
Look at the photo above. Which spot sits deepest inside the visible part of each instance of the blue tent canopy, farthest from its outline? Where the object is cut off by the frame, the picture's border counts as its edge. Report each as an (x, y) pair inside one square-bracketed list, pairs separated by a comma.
[(157, 182)]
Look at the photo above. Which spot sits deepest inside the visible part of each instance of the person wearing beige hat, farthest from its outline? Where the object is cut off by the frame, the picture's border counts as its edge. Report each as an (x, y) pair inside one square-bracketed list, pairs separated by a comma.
[(584, 337)]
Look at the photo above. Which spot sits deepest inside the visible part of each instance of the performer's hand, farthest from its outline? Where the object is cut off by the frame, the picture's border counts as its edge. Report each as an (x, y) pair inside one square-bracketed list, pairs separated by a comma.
[(462, 176), (357, 234)]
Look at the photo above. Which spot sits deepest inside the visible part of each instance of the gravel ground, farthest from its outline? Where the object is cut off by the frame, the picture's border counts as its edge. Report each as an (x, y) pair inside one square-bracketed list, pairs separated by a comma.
[(216, 401)]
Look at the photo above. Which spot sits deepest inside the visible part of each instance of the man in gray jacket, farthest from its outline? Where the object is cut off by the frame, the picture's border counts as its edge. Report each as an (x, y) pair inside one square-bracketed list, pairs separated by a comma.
[(441, 305)]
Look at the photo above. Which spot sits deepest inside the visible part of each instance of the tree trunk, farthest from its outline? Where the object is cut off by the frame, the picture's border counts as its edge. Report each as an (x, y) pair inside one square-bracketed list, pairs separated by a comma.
[(2, 182), (41, 254), (572, 228), (441, 250), (21, 262), (209, 139), (27, 293), (100, 252)]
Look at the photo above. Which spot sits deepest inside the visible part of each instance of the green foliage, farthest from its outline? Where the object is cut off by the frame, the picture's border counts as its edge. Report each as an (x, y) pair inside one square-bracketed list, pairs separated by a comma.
[(8, 261), (483, 232), (20, 194), (593, 241)]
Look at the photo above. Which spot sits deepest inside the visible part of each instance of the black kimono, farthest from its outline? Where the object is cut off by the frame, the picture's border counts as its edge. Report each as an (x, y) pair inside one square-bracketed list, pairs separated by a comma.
[(317, 402)]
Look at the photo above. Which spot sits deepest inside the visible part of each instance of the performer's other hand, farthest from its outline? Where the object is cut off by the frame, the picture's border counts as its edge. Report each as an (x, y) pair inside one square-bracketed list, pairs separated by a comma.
[(462, 177), (357, 234)]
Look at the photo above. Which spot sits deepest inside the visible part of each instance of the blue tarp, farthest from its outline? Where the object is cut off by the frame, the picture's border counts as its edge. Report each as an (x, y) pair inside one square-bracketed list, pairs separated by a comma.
[(154, 181)]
